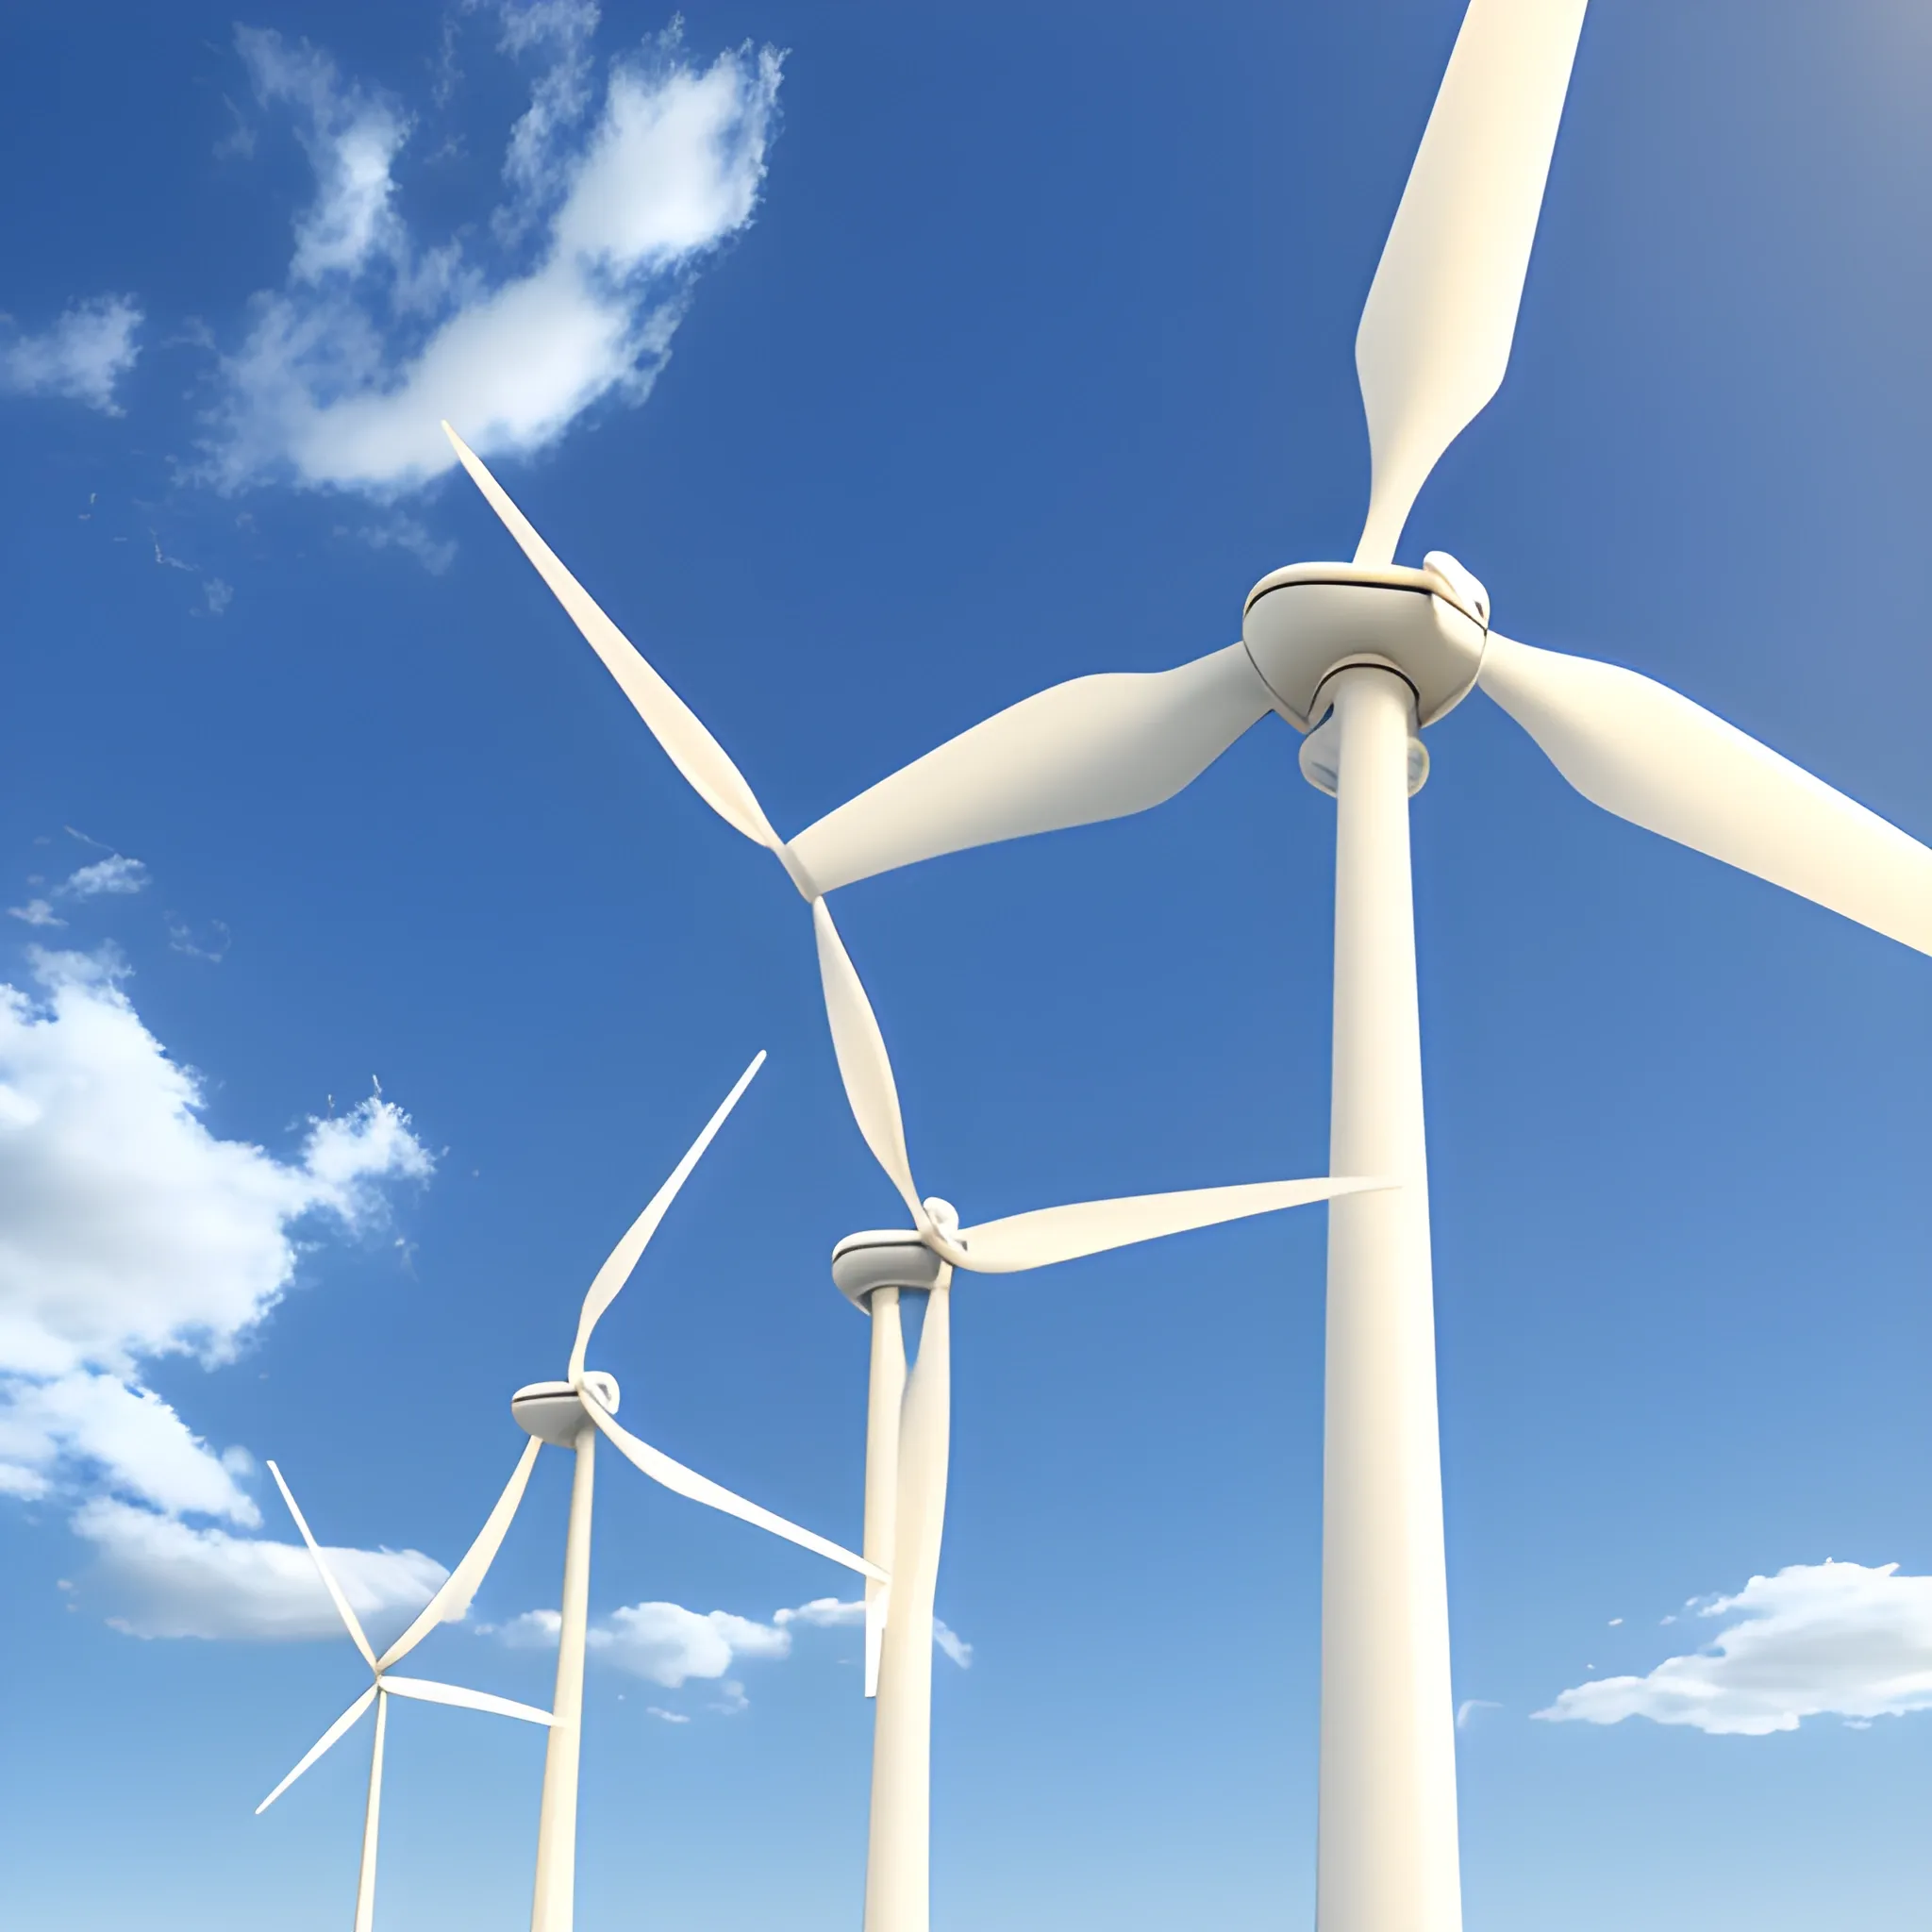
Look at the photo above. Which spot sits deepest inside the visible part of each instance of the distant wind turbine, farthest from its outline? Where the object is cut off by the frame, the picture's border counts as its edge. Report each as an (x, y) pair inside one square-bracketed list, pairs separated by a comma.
[(450, 1601), (571, 1414)]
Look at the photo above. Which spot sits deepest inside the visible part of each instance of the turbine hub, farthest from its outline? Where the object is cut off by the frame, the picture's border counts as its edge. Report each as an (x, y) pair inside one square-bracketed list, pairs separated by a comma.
[(1304, 624), (553, 1412), (883, 1257)]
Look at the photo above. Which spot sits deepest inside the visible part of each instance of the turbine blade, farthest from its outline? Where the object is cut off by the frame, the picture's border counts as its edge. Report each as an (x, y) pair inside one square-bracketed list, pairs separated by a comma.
[(452, 1601), (1090, 1227), (623, 1258), (673, 1476), (327, 1742), (675, 727), (864, 1063), (1095, 748), (427, 1690), (329, 1579), (1436, 331), (1638, 749), (878, 1607)]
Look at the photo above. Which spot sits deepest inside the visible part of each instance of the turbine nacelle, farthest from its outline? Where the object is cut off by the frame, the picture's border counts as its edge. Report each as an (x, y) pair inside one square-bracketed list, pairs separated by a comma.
[(1304, 624), (554, 1412), (884, 1257)]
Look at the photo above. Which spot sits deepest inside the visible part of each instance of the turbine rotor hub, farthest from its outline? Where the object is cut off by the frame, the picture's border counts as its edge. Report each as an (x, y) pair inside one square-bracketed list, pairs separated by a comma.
[(1304, 624)]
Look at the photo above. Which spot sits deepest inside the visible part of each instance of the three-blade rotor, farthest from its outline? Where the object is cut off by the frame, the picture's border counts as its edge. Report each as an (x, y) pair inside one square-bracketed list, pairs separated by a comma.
[(451, 1600)]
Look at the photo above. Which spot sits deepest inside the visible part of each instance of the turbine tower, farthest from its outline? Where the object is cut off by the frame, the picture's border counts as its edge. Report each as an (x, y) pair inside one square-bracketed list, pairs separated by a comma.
[(1361, 657)]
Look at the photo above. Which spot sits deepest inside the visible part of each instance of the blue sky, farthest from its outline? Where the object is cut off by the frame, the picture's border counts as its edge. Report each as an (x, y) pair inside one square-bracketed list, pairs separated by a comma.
[(937, 354)]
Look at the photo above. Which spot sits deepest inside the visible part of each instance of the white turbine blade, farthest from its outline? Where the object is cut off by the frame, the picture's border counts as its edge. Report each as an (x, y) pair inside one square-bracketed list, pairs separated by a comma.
[(1091, 1228), (327, 1742), (863, 1065), (328, 1580), (675, 727), (623, 1258), (673, 1476), (1436, 331), (452, 1601), (878, 1609), (1095, 748), (427, 1690), (1638, 749)]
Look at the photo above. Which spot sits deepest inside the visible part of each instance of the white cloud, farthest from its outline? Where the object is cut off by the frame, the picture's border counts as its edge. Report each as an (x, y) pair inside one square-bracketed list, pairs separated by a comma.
[(407, 534), (351, 139), (82, 357), (347, 369), (36, 912), (128, 1231), (952, 1644), (162, 1578), (1816, 1639), (533, 165), (665, 1644), (139, 1443), (113, 874)]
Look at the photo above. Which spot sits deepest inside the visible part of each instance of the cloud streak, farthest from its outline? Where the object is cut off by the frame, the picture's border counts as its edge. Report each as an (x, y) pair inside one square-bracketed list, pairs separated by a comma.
[(613, 204), (160, 1577), (1816, 1639), (666, 1644), (82, 357)]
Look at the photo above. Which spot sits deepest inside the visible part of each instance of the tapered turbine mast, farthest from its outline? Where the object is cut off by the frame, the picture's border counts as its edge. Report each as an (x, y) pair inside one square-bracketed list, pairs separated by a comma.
[(908, 1416)]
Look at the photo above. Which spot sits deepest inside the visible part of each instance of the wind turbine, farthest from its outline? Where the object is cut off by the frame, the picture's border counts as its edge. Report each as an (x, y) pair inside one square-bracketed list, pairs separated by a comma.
[(1361, 658), (908, 1417), (450, 1601), (571, 1414)]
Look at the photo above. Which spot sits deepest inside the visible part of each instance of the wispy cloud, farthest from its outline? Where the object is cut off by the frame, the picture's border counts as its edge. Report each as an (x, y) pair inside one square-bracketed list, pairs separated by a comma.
[(160, 1577), (664, 1643), (1815, 1640), (615, 195), (113, 875), (82, 357)]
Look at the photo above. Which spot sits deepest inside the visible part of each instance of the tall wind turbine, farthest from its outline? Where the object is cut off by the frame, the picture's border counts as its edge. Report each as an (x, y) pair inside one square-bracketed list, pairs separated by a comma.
[(571, 1414), (1361, 657), (450, 1601), (907, 1418)]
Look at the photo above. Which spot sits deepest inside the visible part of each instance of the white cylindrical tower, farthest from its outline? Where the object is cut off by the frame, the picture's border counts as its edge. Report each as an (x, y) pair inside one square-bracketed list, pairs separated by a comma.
[(870, 1269), (898, 1847), (1388, 1858), (555, 1902), (885, 1392)]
